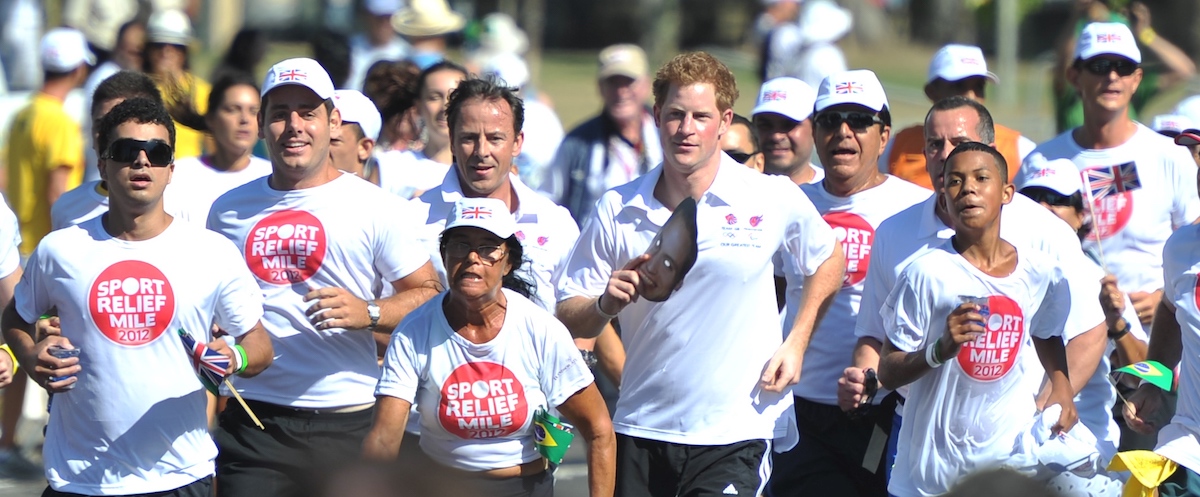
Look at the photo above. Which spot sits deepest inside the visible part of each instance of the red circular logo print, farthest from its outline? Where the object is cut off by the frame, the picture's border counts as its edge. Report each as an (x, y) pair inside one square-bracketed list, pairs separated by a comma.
[(856, 235), (482, 400), (132, 303), (992, 355), (286, 247)]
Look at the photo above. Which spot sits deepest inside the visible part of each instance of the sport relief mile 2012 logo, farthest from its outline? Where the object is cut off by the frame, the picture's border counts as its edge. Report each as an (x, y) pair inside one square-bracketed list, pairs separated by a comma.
[(132, 303), (856, 235), (482, 400), (286, 247), (993, 354)]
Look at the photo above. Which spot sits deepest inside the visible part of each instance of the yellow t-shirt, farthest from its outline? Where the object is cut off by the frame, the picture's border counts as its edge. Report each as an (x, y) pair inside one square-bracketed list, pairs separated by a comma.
[(42, 137), (188, 142)]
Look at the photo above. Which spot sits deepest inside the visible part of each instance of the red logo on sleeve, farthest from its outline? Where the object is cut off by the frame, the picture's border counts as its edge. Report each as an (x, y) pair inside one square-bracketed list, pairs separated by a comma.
[(992, 355), (286, 247), (856, 235), (131, 303), (482, 400)]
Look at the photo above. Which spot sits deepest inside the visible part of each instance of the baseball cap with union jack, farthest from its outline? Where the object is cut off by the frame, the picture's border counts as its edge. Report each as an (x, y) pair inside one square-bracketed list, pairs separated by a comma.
[(859, 87), (788, 97), (1107, 38), (299, 71), (490, 214)]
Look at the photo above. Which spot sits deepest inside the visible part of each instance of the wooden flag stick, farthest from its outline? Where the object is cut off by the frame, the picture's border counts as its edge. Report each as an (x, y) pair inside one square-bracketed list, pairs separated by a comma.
[(1087, 191), (1113, 382), (242, 401)]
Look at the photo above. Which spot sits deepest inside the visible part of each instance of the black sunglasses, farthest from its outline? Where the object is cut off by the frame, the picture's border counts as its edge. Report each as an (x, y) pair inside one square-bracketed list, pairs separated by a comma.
[(1047, 196), (858, 121), (740, 157), (1102, 67), (128, 149)]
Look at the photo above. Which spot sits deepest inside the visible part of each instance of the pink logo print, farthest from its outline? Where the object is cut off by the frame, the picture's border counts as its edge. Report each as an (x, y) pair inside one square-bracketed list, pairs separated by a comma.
[(520, 235), (849, 87), (773, 95), (292, 75), (476, 213), (969, 61), (731, 219), (1042, 173), (755, 220), (542, 240)]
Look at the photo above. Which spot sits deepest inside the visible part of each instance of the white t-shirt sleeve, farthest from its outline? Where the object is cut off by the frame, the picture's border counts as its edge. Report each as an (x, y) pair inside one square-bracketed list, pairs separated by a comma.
[(397, 252), (240, 299), (1082, 282), (588, 266), (30, 296), (1186, 207), (10, 257), (809, 239), (1051, 316), (402, 366), (906, 314), (563, 371), (870, 321)]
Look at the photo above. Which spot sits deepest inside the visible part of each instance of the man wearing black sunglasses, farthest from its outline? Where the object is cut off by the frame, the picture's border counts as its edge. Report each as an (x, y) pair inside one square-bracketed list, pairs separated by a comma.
[(1143, 186), (741, 143), (851, 127)]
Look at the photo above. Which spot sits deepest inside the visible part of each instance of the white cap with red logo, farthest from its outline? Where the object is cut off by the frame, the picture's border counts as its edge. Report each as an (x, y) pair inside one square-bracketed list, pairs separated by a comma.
[(64, 49), (484, 213), (959, 62), (1059, 175), (859, 87), (1107, 38), (788, 97), (1171, 124), (299, 71), (358, 109)]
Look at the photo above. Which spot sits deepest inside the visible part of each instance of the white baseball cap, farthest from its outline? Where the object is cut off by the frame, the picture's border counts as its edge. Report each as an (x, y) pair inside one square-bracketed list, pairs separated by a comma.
[(860, 87), (64, 49), (789, 97), (509, 68), (170, 26), (358, 109), (1171, 124), (1189, 108), (1107, 38), (383, 7), (489, 214), (299, 71), (959, 62), (1059, 175)]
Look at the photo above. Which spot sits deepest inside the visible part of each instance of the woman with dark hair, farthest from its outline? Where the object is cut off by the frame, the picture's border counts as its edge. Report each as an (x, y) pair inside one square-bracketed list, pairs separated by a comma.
[(393, 86), (480, 360), (411, 172)]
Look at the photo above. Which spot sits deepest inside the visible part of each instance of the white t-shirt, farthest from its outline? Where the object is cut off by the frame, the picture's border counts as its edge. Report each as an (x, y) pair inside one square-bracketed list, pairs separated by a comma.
[(1133, 225), (10, 257), (78, 205), (408, 174), (135, 422), (694, 361), (1180, 440), (853, 220), (547, 232), (966, 415), (195, 185), (543, 133), (477, 400), (346, 234)]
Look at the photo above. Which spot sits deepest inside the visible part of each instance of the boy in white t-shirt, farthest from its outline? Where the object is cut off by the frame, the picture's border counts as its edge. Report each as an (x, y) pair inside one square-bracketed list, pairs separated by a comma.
[(129, 413), (960, 324)]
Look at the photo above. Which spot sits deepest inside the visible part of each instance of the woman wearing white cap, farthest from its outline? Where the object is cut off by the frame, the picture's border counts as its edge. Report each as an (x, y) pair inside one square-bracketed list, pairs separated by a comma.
[(168, 33), (479, 360)]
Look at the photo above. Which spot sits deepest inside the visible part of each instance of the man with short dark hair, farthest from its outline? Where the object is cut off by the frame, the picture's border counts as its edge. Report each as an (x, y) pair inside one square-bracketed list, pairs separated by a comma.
[(741, 143), (782, 116), (321, 261)]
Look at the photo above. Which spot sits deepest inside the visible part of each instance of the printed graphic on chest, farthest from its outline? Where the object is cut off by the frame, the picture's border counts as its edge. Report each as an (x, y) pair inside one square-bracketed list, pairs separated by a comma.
[(286, 247), (482, 400), (1112, 203), (856, 236), (994, 353), (533, 241), (132, 303), (742, 232)]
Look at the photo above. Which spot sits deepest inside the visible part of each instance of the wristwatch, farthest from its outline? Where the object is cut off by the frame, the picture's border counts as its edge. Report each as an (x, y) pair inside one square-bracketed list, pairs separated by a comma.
[(373, 313), (589, 358)]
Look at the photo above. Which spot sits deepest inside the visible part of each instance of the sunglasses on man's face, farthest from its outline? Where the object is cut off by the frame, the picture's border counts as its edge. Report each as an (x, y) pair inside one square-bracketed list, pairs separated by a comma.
[(1102, 67), (128, 149), (740, 157), (858, 121)]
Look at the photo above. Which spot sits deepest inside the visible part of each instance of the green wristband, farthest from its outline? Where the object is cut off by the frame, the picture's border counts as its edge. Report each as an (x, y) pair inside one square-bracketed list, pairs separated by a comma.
[(241, 352)]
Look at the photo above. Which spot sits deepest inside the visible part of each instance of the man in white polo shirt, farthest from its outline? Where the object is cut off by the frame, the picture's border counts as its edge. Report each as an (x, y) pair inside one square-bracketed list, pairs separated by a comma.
[(1152, 181), (705, 386), (850, 129), (322, 245), (781, 116), (351, 149)]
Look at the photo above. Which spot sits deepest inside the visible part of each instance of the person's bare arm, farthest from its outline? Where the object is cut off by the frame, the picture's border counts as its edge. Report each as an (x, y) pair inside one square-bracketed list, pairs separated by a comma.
[(1179, 66), (257, 344), (610, 352), (37, 361), (585, 316), (586, 410), (898, 368), (852, 385), (337, 308), (1147, 411), (819, 291), (56, 185), (387, 431), (1053, 355)]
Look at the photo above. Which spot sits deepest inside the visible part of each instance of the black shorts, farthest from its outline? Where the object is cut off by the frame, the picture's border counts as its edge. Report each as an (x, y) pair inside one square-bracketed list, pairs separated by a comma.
[(198, 488), (288, 458), (834, 453), (650, 468)]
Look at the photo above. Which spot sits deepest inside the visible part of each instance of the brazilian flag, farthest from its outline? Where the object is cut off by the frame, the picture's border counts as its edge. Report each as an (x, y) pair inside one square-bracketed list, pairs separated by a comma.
[(552, 436), (1151, 371)]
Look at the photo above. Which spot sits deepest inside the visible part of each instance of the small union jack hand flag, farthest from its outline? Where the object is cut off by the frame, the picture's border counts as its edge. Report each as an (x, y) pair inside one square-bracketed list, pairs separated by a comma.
[(211, 366), (1106, 181)]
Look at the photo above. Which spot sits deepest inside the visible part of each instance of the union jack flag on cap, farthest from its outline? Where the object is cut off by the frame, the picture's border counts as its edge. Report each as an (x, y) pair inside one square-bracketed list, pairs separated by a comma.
[(211, 367), (1106, 181)]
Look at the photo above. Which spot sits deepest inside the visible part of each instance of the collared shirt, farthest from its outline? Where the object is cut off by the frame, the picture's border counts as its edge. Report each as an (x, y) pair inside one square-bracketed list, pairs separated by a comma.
[(694, 360), (1178, 440), (547, 232)]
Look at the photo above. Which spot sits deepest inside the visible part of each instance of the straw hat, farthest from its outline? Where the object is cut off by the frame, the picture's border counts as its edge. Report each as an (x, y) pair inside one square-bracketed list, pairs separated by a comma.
[(427, 18)]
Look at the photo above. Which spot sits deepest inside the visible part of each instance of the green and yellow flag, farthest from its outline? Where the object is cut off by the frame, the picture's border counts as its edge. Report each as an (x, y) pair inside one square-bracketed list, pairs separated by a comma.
[(552, 436), (1151, 371)]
